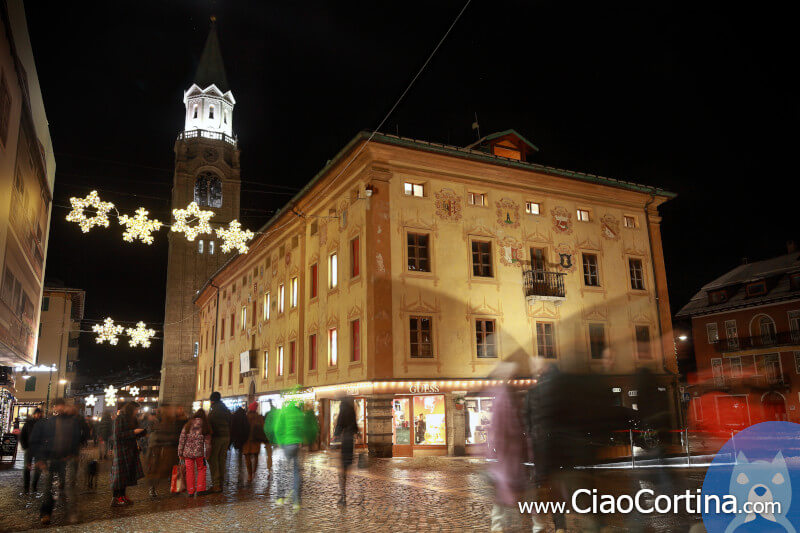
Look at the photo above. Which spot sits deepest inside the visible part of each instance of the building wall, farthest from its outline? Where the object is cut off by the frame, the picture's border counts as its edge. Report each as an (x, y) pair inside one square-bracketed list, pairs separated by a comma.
[(27, 171)]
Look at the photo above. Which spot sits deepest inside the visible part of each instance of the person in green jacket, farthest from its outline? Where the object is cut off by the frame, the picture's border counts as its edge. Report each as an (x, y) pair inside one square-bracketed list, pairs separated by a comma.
[(291, 428)]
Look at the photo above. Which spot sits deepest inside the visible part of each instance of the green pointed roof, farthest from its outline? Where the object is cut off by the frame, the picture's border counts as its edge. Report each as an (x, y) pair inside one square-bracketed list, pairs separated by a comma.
[(211, 69)]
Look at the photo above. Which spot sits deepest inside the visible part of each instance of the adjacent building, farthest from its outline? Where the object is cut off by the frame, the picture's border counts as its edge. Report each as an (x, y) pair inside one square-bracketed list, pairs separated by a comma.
[(746, 331), (57, 365), (406, 270), (27, 170)]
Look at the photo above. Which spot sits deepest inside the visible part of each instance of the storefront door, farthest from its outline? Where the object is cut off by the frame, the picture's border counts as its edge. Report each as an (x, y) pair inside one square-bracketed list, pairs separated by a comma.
[(418, 424)]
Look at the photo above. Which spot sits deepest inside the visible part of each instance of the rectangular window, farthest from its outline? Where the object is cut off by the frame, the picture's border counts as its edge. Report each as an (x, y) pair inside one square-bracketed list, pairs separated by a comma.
[(732, 334), (597, 340), (45, 303), (756, 289), (333, 347), (292, 357), (532, 208), (712, 333), (230, 373), (355, 258), (265, 306), (233, 324), (636, 273), (219, 376), (476, 198), (736, 367), (293, 287), (643, 348), (266, 364), (200, 246), (355, 340), (629, 221), (30, 384), (538, 264), (482, 259), (313, 283), (333, 270), (583, 215), (312, 352), (591, 274), (420, 336), (418, 258), (281, 297), (718, 297), (211, 247), (717, 372), (794, 325), (280, 361), (485, 339), (545, 340), (222, 330), (243, 322), (413, 189)]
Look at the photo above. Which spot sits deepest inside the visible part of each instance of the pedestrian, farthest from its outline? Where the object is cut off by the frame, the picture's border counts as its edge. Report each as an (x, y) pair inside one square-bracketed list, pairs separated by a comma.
[(55, 442), (255, 436), (194, 447), (269, 426), (162, 448), (219, 418), (293, 429), (239, 433), (147, 423), (346, 429), (29, 463), (104, 428), (126, 468)]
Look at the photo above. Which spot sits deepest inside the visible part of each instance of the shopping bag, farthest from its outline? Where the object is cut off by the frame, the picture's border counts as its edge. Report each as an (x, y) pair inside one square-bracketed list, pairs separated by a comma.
[(177, 482)]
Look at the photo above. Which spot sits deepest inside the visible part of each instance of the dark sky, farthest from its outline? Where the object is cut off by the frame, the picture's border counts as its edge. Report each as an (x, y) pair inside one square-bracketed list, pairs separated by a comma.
[(698, 98)]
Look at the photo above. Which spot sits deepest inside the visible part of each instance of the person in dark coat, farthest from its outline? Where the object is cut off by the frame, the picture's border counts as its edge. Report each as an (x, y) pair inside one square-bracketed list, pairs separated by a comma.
[(55, 442), (346, 428), (255, 436), (24, 440), (239, 428), (126, 468), (104, 428), (162, 448), (219, 417)]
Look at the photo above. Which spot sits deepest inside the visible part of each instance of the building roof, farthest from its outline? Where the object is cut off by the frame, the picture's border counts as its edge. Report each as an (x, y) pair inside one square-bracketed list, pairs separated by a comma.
[(775, 269), (505, 133), (77, 296), (211, 69)]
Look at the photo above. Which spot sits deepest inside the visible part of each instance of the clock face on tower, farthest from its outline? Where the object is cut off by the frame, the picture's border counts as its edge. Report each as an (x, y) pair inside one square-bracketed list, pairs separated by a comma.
[(210, 155)]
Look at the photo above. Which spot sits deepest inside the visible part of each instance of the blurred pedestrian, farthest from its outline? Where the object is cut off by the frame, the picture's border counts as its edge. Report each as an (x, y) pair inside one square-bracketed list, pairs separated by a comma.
[(29, 463), (293, 429), (104, 429), (255, 437), (162, 448), (147, 422), (269, 432), (194, 447), (239, 433), (346, 428), (219, 418), (126, 468), (55, 442)]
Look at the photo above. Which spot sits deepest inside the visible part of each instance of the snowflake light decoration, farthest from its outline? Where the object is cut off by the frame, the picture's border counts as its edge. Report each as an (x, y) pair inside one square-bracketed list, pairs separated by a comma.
[(234, 237), (101, 211), (111, 396), (181, 224), (140, 335), (107, 331), (134, 391), (90, 400), (139, 226)]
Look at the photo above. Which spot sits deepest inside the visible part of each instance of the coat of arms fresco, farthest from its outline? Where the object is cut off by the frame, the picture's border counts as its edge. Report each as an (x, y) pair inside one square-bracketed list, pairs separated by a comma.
[(448, 205), (507, 213), (562, 219)]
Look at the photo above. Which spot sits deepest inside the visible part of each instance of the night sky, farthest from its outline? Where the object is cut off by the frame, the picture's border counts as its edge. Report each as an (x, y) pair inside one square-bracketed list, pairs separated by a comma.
[(700, 100)]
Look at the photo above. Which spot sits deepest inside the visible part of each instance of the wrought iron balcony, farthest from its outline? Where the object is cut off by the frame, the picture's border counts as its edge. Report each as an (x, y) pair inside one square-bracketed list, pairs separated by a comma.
[(784, 338), (543, 285), (206, 134)]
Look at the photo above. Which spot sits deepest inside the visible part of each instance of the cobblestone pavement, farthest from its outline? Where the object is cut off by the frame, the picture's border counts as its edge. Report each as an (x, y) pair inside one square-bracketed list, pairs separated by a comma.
[(419, 494)]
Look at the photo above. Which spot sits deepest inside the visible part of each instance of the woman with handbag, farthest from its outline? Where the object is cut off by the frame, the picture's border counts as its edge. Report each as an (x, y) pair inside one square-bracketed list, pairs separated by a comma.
[(126, 469), (255, 436), (194, 447), (346, 428)]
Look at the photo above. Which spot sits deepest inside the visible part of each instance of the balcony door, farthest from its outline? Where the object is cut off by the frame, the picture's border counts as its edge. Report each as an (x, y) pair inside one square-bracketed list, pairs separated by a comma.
[(538, 263)]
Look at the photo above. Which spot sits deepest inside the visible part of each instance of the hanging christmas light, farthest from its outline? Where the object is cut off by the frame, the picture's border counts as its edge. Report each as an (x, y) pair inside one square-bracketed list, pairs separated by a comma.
[(140, 335), (139, 226), (90, 400), (181, 224), (92, 200), (107, 331), (111, 396), (234, 237), (134, 391)]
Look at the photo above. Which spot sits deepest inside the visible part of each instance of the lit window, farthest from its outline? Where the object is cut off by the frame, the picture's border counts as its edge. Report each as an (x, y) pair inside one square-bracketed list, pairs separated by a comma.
[(421, 336), (636, 274), (194, 113), (265, 307), (266, 364), (333, 270), (485, 338), (591, 276), (477, 198), (200, 246), (211, 111), (583, 215), (628, 221), (244, 317), (280, 360), (355, 339), (281, 297), (333, 347), (414, 189), (532, 208), (545, 340), (293, 286), (211, 247)]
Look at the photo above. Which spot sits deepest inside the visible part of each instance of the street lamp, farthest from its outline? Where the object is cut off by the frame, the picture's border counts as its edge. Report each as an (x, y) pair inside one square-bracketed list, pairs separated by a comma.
[(682, 337)]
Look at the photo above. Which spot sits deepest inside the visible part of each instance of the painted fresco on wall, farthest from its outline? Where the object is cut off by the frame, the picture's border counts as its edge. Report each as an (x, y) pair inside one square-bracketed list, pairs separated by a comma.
[(448, 205), (507, 213), (610, 227), (562, 219)]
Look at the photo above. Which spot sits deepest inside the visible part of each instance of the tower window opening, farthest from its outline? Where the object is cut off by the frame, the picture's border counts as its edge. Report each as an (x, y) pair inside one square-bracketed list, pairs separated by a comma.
[(208, 190), (211, 111), (225, 117), (195, 111), (200, 246)]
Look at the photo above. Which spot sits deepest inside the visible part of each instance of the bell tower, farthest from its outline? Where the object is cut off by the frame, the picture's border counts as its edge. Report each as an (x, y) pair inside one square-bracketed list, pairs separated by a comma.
[(206, 172)]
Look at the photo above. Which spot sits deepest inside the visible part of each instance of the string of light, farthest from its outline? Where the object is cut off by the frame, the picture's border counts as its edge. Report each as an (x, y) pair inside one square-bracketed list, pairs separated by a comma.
[(109, 331)]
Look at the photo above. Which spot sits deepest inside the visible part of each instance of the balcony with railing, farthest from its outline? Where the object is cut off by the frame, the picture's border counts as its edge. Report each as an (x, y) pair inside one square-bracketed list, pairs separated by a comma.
[(771, 340), (540, 285), (206, 134)]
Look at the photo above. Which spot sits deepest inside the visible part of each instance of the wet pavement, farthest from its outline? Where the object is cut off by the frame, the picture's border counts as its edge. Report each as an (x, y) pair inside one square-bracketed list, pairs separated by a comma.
[(402, 494)]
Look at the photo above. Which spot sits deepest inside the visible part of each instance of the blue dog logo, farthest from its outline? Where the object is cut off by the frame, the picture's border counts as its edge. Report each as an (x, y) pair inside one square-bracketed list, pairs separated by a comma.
[(766, 486)]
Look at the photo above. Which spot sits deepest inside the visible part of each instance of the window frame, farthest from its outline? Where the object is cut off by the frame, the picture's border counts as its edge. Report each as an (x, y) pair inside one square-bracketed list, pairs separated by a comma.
[(417, 320), (636, 283), (312, 352), (410, 189), (292, 357), (735, 370), (313, 281), (542, 348), (333, 270), (579, 214), (476, 199), (629, 222), (592, 328), (293, 292), (490, 265), (482, 334), (333, 347), (756, 288), (587, 275), (281, 298), (243, 318), (529, 208), (416, 258), (265, 306), (355, 340), (715, 327), (355, 257)]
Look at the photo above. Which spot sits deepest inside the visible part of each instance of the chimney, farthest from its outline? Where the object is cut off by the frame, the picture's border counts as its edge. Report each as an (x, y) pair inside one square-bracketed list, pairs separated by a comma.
[(791, 247)]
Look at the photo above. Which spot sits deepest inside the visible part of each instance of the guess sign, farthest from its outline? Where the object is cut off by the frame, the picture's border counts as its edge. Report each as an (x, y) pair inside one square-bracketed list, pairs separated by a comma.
[(423, 388)]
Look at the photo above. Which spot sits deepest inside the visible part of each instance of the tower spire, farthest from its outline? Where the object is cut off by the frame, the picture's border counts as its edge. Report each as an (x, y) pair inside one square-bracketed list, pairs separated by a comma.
[(211, 69)]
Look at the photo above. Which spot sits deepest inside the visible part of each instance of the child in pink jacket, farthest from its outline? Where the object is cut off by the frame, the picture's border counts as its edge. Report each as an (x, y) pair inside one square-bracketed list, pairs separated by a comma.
[(194, 447)]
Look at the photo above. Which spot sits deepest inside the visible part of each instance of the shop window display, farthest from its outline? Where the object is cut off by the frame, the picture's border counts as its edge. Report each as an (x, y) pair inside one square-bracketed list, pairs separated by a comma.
[(401, 415), (479, 415), (429, 423), (360, 405)]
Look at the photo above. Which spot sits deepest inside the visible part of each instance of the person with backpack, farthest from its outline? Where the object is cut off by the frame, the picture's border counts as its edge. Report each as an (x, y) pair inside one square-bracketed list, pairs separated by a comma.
[(194, 447), (255, 436), (293, 429)]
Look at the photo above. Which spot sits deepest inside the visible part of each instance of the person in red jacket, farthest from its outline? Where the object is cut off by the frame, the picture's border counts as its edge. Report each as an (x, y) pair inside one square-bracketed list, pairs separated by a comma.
[(194, 447)]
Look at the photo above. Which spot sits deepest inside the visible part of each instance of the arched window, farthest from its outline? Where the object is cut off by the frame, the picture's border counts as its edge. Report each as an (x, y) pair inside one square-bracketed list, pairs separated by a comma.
[(208, 190), (225, 117), (194, 114), (766, 327), (211, 111), (200, 246)]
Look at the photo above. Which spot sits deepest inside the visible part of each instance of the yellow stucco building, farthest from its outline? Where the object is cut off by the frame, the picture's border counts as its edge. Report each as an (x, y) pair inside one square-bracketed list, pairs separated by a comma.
[(406, 270)]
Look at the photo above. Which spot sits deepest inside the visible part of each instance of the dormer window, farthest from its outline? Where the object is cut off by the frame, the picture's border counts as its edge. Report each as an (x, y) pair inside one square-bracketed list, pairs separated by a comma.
[(756, 289), (195, 111), (718, 297), (211, 111)]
